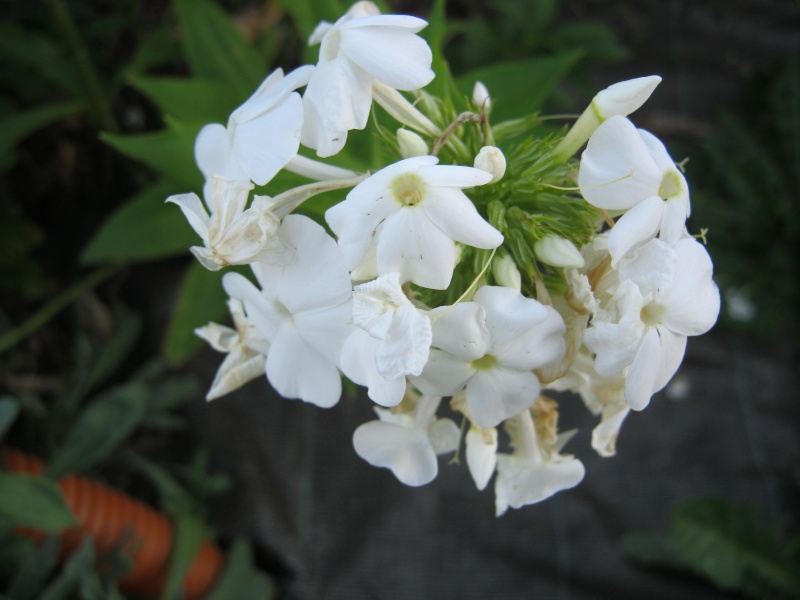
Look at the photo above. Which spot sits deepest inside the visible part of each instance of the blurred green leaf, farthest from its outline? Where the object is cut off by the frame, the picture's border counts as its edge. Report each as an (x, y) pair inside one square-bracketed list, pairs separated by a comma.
[(17, 126), (195, 99), (189, 534), (40, 54), (651, 549), (784, 100), (307, 14), (173, 497), (725, 543), (216, 50), (144, 228), (519, 88), (436, 34), (201, 299), (9, 409), (34, 501), (158, 48), (240, 579), (99, 429), (80, 565), (34, 571), (170, 152), (600, 44)]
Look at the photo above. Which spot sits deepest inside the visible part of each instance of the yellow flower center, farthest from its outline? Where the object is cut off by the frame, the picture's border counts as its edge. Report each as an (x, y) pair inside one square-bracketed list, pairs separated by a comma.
[(408, 189), (484, 363), (670, 185), (651, 314)]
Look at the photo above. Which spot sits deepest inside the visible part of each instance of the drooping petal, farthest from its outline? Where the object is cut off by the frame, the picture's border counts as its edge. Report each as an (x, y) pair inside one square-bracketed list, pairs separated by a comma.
[(520, 482), (298, 370), (358, 364), (452, 212), (604, 435), (641, 382), (236, 370), (481, 454), (636, 227), (444, 436), (404, 450), (494, 395), (194, 211), (673, 223), (413, 246), (673, 348)]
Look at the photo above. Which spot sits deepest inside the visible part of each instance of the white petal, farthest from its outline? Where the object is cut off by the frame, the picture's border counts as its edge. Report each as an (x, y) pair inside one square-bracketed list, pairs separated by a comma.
[(616, 170), (528, 483), (496, 394), (213, 153), (358, 364), (355, 222), (636, 227), (481, 454), (673, 223), (461, 330), (259, 311), (398, 58), (444, 436), (267, 143), (194, 211), (298, 370), (641, 382), (693, 301), (407, 347), (625, 97), (406, 451), (443, 375), (236, 370), (452, 212), (604, 435), (454, 176), (410, 244)]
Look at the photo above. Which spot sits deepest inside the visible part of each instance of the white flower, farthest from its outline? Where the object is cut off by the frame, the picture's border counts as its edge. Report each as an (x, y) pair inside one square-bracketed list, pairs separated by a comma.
[(490, 346), (392, 340), (624, 168), (246, 348), (558, 252), (232, 235), (534, 471), (665, 295), (262, 135), (407, 444), (303, 309), (360, 48), (492, 160), (413, 211)]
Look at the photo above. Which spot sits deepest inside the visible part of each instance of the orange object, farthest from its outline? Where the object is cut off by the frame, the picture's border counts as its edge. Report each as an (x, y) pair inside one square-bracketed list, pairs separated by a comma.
[(107, 515)]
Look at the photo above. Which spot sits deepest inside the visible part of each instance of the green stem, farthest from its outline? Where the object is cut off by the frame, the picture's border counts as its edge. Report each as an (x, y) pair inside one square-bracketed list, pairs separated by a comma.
[(55, 306), (98, 103)]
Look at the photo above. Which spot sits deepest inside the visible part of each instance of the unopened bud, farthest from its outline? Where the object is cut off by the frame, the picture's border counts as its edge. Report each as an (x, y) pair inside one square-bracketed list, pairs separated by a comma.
[(411, 144), (624, 97), (506, 273), (558, 252), (480, 96), (491, 160)]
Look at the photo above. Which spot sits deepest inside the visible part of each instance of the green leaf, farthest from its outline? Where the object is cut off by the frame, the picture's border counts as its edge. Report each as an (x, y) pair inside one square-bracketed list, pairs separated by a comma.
[(170, 152), (184, 99), (189, 534), (79, 566), (32, 574), (201, 299), (9, 409), (17, 126), (108, 420), (34, 501), (307, 14), (520, 88), (143, 229), (216, 50), (651, 549), (436, 34), (725, 543), (240, 579)]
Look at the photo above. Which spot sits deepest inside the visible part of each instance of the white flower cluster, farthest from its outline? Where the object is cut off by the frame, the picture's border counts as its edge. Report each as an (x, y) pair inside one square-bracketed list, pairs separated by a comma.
[(367, 303)]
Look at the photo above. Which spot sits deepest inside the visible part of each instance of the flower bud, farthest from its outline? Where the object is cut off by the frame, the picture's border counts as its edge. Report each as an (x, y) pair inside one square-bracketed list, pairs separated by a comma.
[(624, 97), (558, 252), (491, 160), (505, 272), (411, 144), (480, 96)]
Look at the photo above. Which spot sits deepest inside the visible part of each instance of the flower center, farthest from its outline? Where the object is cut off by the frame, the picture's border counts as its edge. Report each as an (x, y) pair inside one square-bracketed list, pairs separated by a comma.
[(651, 314), (670, 185), (408, 189), (484, 363)]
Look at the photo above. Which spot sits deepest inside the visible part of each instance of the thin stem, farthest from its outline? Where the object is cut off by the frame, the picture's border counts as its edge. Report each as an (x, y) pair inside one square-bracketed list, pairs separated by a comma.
[(56, 305), (98, 102), (465, 117)]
